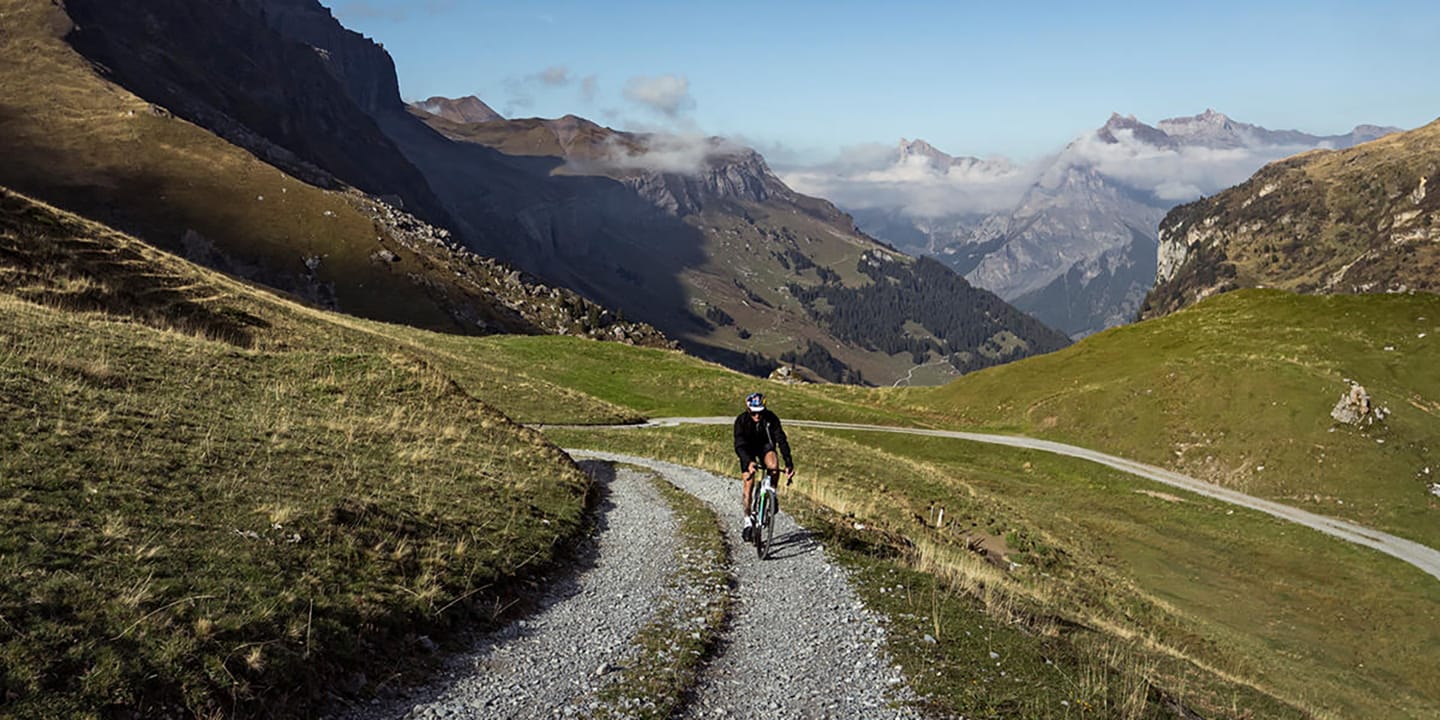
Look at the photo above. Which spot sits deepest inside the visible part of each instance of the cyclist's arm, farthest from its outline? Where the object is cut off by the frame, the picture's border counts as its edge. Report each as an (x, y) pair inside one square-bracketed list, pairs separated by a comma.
[(782, 443), (741, 449)]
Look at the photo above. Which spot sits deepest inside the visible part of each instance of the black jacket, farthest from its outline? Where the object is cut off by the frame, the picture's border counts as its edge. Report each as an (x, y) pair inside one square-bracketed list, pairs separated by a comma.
[(753, 438)]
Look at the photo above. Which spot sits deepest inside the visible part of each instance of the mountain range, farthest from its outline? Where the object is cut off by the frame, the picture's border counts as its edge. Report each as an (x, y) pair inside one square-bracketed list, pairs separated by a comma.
[(1072, 238), (694, 236)]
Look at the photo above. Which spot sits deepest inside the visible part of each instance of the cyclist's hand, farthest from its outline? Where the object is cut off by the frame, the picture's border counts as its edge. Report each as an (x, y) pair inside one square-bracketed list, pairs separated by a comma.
[(790, 476)]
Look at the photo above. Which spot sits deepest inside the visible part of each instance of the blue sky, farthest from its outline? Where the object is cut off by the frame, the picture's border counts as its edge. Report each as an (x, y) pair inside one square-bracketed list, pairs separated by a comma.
[(803, 80)]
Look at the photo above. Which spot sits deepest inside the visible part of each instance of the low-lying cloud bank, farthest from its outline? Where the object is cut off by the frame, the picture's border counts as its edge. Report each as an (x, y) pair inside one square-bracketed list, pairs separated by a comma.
[(878, 176), (1174, 175)]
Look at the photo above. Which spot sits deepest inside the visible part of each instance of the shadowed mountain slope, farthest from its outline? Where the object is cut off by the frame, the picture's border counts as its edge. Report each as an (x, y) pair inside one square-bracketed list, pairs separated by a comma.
[(72, 138)]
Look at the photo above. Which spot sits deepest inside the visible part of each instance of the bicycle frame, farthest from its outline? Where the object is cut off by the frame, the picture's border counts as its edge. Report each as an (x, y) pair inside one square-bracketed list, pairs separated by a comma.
[(762, 506)]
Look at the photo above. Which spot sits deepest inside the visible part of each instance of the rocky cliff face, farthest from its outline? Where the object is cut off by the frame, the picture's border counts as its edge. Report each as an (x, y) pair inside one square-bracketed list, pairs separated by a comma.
[(297, 100), (739, 176), (1072, 215), (363, 67), (1366, 219), (290, 101)]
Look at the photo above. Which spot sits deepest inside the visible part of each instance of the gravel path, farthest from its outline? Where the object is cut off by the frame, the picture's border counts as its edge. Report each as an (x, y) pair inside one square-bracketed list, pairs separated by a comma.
[(546, 665), (800, 643)]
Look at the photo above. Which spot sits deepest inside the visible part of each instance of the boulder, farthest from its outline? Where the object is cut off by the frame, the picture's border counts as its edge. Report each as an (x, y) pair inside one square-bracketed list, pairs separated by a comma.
[(1356, 408)]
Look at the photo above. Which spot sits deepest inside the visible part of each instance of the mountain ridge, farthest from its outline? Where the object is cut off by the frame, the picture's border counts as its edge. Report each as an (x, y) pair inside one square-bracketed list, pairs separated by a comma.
[(1358, 220), (1103, 195), (255, 209)]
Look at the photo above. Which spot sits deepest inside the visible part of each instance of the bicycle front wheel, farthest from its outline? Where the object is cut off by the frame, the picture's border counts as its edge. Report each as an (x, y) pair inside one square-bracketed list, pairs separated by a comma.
[(762, 510), (769, 528)]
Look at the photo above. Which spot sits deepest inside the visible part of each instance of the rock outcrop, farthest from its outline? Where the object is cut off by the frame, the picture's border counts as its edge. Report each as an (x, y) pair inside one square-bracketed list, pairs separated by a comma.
[(1354, 407), (469, 109)]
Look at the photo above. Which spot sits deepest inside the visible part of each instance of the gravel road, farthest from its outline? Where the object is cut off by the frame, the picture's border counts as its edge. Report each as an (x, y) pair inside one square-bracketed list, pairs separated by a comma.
[(545, 666), (799, 644)]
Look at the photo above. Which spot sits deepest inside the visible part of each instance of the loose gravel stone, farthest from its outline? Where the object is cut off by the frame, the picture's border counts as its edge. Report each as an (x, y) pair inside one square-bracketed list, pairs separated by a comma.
[(801, 644), (545, 666)]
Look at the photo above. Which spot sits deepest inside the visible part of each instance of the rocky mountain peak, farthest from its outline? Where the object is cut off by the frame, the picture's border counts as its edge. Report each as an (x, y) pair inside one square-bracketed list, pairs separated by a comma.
[(1211, 129), (468, 109), (1119, 126), (920, 148)]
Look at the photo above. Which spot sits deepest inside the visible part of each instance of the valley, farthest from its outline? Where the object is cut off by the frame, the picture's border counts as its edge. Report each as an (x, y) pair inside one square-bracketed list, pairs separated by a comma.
[(320, 402)]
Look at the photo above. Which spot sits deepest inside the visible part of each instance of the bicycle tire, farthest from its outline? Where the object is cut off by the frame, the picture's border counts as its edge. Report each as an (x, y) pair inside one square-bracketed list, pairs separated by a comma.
[(758, 534), (769, 527)]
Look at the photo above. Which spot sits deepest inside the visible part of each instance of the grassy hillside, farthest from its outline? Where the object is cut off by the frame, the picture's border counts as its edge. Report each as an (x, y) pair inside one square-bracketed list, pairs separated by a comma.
[(217, 501), (1238, 391), (224, 499), (1124, 596)]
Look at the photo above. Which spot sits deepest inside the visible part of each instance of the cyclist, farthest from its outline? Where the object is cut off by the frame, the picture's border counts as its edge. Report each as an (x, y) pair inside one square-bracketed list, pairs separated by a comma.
[(758, 436)]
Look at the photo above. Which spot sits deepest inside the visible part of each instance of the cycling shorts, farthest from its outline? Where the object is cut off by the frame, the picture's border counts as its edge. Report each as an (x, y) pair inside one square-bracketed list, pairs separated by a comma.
[(760, 458)]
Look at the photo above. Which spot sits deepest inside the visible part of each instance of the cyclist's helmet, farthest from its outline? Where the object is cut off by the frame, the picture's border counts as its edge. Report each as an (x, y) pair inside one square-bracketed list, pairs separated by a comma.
[(755, 402)]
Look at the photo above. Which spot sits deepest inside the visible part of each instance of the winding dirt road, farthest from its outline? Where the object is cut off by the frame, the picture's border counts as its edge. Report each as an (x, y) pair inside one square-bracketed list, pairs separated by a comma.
[(1423, 557)]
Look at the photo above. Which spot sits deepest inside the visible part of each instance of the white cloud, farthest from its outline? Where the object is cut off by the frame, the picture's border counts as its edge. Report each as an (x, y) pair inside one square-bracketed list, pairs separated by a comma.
[(1173, 174), (668, 152), (554, 76), (874, 176), (668, 95)]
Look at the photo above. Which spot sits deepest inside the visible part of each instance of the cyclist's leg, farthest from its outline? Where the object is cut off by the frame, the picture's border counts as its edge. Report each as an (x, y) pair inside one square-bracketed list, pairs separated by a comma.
[(747, 481), (772, 468)]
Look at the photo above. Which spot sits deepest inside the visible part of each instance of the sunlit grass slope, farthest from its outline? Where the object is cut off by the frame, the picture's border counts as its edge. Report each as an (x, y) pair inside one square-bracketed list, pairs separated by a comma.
[(1238, 391), (635, 382), (1124, 595), (215, 501)]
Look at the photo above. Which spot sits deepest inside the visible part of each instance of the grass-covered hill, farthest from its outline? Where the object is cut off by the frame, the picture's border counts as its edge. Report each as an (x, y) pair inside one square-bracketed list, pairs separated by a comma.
[(1228, 612), (1238, 392), (1360, 220), (216, 501)]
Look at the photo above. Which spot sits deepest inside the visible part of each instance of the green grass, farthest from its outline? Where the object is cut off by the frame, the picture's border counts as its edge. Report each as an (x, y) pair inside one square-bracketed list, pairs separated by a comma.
[(562, 380), (1238, 391), (1229, 611), (219, 502)]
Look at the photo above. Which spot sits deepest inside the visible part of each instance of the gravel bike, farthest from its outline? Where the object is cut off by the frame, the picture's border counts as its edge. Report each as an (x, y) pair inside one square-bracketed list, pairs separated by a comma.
[(765, 503)]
